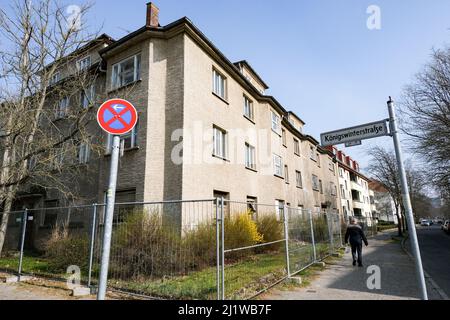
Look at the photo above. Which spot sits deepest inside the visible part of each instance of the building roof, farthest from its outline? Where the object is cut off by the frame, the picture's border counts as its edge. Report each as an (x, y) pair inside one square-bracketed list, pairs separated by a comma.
[(248, 66)]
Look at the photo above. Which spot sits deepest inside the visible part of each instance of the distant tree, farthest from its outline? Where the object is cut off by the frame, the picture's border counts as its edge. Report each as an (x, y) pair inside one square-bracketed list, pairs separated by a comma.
[(425, 115), (383, 167)]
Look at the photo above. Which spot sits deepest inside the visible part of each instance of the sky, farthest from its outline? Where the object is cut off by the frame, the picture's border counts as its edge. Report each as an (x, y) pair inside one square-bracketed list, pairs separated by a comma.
[(318, 57)]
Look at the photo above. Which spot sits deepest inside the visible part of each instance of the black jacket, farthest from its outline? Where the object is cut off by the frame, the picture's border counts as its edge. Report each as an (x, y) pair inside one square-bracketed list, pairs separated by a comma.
[(355, 234)]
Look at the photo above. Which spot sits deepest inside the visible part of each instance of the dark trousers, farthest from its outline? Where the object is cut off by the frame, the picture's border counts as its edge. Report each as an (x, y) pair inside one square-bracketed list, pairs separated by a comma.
[(357, 251)]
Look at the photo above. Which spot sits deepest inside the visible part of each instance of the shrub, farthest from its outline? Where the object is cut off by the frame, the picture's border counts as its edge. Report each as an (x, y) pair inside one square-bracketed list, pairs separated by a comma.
[(241, 231), (143, 246), (271, 229), (200, 246), (63, 249)]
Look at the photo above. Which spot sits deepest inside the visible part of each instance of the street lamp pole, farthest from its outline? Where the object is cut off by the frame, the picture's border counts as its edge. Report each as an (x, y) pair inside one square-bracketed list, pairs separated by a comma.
[(407, 201)]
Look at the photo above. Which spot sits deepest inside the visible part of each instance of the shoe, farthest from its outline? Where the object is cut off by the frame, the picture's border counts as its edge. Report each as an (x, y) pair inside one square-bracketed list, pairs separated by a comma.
[(360, 265), (354, 263)]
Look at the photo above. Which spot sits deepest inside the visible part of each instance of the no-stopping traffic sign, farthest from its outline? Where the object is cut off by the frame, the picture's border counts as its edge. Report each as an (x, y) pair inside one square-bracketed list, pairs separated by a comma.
[(117, 116)]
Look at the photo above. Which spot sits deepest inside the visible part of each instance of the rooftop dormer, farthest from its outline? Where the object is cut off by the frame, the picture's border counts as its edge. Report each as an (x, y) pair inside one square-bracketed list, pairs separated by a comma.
[(249, 73)]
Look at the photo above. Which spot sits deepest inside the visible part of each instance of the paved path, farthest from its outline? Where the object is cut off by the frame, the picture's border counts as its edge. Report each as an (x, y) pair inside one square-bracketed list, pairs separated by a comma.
[(435, 250), (23, 291), (342, 281)]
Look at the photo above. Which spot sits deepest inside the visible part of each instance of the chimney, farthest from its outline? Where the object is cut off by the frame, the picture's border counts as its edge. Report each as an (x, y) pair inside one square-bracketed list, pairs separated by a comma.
[(152, 16)]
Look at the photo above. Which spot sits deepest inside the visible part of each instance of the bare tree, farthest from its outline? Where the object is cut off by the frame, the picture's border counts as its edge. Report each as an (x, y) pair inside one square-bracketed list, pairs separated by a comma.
[(383, 167), (38, 132), (425, 114)]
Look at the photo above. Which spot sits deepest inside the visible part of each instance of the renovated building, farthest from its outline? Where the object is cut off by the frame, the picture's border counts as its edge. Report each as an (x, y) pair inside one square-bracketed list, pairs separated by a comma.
[(353, 186), (385, 207)]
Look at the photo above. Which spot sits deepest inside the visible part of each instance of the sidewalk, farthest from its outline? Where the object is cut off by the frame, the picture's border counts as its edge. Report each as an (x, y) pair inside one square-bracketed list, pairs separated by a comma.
[(341, 281)]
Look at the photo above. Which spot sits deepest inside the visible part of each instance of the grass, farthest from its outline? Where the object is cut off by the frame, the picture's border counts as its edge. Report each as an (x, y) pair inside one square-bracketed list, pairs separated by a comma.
[(243, 279)]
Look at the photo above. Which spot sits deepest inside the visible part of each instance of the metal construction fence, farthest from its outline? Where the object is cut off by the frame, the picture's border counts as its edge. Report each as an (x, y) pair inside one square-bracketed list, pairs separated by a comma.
[(203, 249)]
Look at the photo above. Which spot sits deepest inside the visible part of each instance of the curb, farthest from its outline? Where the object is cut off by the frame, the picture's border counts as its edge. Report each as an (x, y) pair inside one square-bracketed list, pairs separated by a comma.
[(434, 285)]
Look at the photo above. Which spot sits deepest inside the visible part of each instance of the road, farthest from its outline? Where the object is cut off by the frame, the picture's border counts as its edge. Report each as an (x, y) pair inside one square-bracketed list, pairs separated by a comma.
[(435, 249)]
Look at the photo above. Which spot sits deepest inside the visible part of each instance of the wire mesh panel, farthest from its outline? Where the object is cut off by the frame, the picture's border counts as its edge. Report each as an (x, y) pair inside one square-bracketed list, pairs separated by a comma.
[(321, 234), (254, 248), (9, 260), (335, 230), (301, 242), (58, 242), (163, 250)]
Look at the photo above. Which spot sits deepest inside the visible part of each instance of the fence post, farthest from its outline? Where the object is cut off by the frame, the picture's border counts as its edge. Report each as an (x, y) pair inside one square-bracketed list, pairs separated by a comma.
[(330, 230), (286, 238), (218, 221), (312, 234), (22, 241), (222, 218), (92, 241)]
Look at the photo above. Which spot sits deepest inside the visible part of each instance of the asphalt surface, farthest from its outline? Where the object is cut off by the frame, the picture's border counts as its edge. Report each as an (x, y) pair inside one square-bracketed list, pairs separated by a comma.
[(435, 250)]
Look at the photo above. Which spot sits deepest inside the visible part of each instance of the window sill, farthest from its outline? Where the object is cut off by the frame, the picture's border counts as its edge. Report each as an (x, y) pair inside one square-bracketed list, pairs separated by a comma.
[(219, 97), (108, 154), (221, 158), (298, 187), (281, 177), (251, 169), (249, 119), (277, 133), (124, 87), (297, 154)]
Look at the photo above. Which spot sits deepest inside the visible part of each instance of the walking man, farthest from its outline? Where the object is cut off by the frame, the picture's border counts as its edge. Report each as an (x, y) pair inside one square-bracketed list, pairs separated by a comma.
[(356, 236)]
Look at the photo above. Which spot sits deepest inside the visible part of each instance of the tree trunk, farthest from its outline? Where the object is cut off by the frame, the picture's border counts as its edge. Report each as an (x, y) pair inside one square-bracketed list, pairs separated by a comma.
[(5, 219), (400, 222)]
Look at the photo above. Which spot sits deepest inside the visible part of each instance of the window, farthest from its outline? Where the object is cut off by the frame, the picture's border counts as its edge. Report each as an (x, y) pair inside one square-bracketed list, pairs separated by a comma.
[(252, 206), (279, 209), (278, 165), (123, 208), (342, 192), (248, 108), (298, 179), (219, 84), (87, 96), (341, 172), (283, 137), (55, 78), (312, 153), (126, 71), (321, 186), (220, 143), (84, 63), (296, 147), (127, 141), (226, 196), (315, 183), (331, 166), (318, 159), (84, 153), (250, 157), (286, 174), (275, 122), (62, 108), (333, 190)]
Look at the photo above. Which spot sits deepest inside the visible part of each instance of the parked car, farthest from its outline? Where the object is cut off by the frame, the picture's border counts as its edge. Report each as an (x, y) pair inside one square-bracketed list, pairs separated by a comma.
[(446, 226), (426, 223)]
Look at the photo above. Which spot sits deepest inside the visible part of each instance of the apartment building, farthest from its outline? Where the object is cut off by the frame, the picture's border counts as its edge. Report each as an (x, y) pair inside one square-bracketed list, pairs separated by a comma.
[(206, 128), (354, 187), (384, 204)]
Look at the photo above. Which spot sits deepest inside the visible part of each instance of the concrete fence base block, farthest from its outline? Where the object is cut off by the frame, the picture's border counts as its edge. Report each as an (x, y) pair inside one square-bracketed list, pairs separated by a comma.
[(295, 280), (319, 264), (81, 292), (14, 279), (335, 254)]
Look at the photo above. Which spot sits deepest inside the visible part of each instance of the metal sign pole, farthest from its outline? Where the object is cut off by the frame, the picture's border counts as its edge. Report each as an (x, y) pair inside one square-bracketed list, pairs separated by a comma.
[(111, 198), (407, 202)]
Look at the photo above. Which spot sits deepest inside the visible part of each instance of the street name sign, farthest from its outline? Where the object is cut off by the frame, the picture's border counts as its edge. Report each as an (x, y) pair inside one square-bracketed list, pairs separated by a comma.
[(353, 144), (358, 133)]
